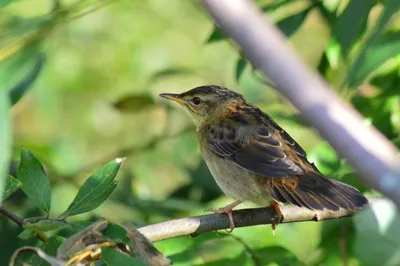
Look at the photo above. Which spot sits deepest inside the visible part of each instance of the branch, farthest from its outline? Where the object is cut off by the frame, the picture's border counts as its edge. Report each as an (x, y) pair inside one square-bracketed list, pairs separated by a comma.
[(367, 150), (18, 221), (13, 217), (196, 225)]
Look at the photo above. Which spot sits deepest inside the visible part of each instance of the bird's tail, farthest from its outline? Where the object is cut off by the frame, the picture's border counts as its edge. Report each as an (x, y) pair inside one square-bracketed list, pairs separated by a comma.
[(316, 192)]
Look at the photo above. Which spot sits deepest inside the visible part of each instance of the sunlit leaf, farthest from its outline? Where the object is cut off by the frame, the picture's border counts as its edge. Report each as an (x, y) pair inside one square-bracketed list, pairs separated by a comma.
[(379, 224), (18, 55), (372, 54), (4, 3), (352, 23), (50, 247), (395, 116), (218, 35), (376, 55), (292, 23), (35, 183), (112, 257), (12, 185), (325, 158), (5, 137), (23, 85), (96, 190), (333, 54), (378, 110), (175, 245)]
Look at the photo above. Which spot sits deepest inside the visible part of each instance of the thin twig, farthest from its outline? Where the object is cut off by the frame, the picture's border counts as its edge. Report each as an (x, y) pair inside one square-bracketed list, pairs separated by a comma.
[(265, 47), (18, 221), (12, 216), (193, 226)]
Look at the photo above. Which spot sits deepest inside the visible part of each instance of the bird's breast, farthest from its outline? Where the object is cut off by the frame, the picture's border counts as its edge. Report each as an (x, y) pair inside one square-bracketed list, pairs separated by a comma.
[(233, 180)]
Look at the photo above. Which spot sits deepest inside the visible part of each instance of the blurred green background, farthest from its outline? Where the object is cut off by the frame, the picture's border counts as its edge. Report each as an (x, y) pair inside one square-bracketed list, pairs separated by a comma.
[(95, 98)]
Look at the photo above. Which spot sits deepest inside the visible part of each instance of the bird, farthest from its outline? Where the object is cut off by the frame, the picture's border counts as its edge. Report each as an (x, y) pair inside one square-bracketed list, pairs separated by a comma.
[(253, 159)]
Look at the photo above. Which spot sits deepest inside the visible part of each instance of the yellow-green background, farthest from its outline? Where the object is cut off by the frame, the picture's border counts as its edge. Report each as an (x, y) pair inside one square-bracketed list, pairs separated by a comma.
[(136, 50)]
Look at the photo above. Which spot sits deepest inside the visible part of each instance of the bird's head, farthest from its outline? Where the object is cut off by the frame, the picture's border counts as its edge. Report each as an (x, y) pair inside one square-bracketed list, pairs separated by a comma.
[(206, 103)]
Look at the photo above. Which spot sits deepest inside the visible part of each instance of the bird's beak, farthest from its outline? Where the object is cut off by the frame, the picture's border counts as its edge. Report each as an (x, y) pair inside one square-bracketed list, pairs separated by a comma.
[(174, 97)]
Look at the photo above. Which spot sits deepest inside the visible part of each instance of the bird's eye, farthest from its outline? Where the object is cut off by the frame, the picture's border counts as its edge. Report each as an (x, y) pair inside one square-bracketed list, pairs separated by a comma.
[(196, 100)]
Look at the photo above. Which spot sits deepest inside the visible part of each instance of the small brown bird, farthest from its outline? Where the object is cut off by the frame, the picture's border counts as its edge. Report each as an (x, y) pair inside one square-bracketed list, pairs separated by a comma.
[(252, 158)]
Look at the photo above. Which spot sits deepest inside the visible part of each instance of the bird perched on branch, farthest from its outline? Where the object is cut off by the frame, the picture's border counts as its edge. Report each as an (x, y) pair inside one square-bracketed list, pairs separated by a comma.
[(252, 158)]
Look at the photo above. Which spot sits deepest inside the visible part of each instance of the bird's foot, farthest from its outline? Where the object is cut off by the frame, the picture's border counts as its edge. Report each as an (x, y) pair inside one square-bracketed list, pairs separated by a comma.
[(227, 210), (275, 206)]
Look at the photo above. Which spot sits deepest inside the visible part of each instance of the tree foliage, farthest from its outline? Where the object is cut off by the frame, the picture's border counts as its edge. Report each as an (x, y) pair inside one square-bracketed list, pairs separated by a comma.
[(78, 86)]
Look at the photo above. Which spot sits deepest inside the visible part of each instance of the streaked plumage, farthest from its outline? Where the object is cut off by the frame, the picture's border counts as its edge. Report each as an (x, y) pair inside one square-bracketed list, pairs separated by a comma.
[(252, 158)]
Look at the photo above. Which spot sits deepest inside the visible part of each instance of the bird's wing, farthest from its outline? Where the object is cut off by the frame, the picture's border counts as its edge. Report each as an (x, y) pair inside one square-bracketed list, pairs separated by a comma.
[(254, 142)]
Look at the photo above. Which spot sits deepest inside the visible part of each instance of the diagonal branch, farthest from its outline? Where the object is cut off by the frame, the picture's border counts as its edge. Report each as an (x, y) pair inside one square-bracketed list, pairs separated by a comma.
[(196, 225), (368, 151), (18, 221)]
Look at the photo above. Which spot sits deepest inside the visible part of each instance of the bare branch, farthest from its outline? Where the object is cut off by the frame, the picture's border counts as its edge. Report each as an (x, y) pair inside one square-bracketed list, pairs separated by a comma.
[(196, 225), (368, 151), (12, 216)]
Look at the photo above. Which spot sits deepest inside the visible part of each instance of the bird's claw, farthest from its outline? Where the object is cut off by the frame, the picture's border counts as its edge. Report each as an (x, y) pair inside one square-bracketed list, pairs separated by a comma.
[(275, 206), (227, 211)]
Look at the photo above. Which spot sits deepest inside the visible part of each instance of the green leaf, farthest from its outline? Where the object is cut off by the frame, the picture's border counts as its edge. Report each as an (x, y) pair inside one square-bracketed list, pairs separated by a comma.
[(275, 5), (333, 231), (352, 23), (96, 190), (216, 35), (12, 185), (380, 225), (20, 64), (5, 137), (117, 234), (4, 3), (50, 247), (240, 67), (375, 56), (333, 54), (35, 183), (26, 234), (291, 24), (43, 225), (388, 82), (171, 72), (325, 158), (112, 257), (133, 103), (23, 85)]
